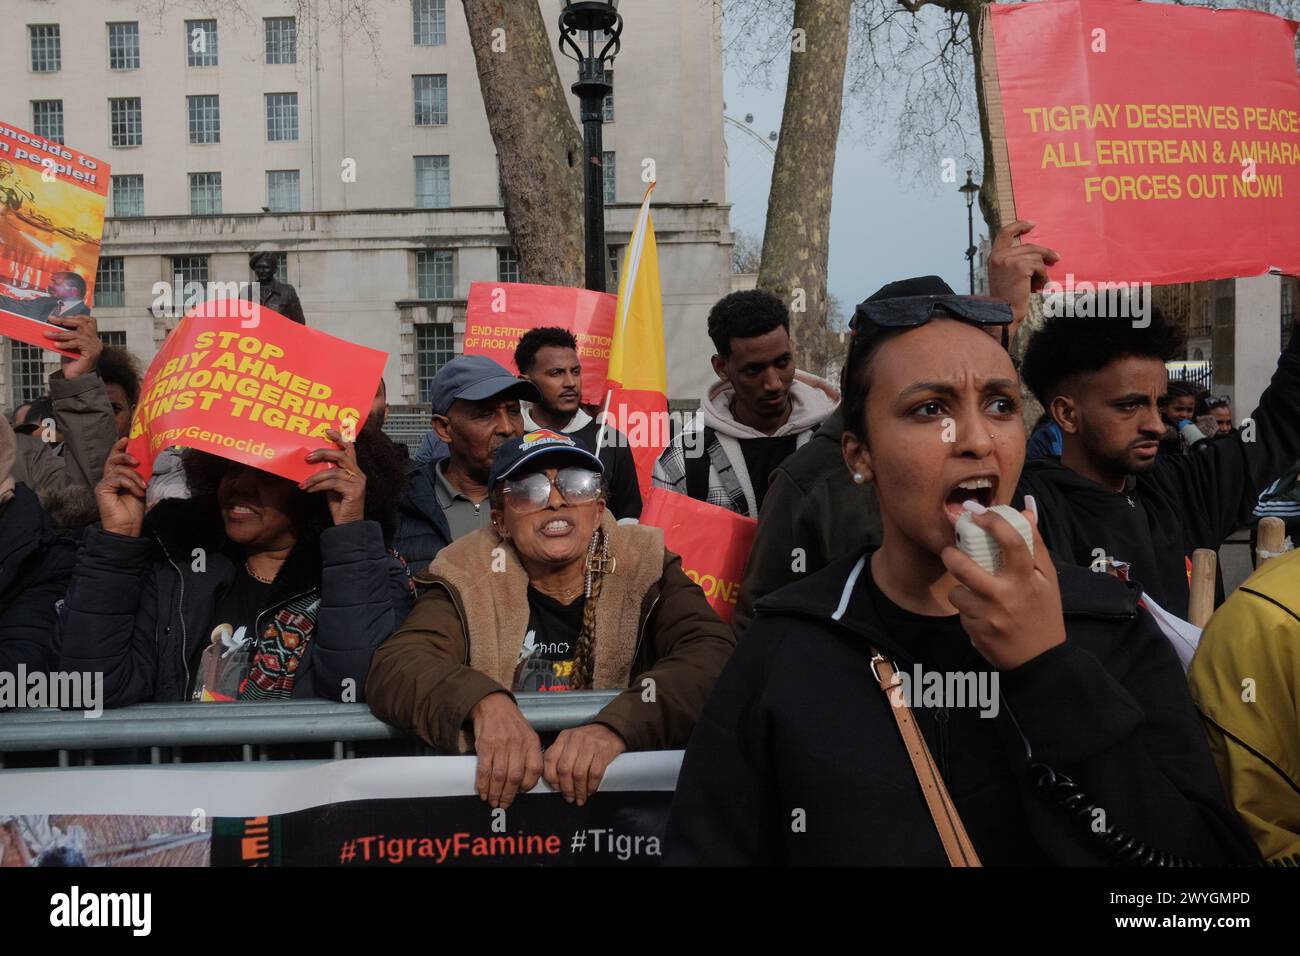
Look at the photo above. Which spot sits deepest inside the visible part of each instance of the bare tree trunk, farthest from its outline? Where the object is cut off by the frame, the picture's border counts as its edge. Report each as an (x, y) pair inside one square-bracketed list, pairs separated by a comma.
[(797, 238), (989, 183), (539, 147)]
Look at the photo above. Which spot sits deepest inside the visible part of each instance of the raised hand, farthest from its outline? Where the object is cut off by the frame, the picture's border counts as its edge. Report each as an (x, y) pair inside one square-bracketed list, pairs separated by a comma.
[(120, 493), (77, 333), (1017, 269), (344, 485), (1014, 616)]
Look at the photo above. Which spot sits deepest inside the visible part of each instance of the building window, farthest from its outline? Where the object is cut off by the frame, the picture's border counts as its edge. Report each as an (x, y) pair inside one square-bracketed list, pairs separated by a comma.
[(507, 264), (614, 259), (124, 46), (27, 372), (128, 195), (113, 339), (433, 274), (281, 117), (432, 182), (282, 190), (44, 42), (435, 346), (201, 42), (110, 282), (608, 168), (431, 99), (205, 118), (429, 22), (281, 40), (205, 194), (125, 124), (186, 269), (47, 119), (609, 100)]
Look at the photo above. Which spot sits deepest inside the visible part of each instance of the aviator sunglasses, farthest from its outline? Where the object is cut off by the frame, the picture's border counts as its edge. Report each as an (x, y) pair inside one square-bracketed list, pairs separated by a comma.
[(531, 493)]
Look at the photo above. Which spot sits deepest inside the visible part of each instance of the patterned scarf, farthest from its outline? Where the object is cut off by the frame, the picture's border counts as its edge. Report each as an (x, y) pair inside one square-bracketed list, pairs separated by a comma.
[(279, 650)]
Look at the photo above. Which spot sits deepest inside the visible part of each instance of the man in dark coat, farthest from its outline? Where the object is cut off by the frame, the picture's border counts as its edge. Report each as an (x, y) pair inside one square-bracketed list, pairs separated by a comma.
[(1108, 494), (475, 411)]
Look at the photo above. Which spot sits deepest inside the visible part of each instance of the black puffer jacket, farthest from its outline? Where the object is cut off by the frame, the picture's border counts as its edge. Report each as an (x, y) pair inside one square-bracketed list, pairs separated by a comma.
[(797, 758), (137, 608), (35, 565)]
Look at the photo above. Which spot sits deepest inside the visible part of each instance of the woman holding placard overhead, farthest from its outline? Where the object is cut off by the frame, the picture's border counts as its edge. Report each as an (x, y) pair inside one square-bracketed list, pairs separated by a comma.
[(253, 589)]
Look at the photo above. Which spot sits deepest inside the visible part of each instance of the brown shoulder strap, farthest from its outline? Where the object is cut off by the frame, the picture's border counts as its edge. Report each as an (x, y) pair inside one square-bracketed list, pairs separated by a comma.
[(942, 810)]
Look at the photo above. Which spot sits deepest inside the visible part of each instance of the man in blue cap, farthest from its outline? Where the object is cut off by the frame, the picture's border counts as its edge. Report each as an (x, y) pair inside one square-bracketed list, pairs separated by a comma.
[(475, 411)]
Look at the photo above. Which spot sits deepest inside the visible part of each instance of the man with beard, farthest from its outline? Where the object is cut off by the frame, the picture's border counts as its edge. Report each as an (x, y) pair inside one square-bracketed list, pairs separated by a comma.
[(475, 410), (1108, 495)]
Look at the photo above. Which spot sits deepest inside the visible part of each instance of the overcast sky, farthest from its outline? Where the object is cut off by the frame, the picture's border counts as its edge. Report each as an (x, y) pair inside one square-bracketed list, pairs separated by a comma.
[(882, 227)]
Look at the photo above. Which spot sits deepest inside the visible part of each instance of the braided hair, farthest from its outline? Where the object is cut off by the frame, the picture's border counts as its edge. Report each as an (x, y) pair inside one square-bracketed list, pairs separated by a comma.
[(584, 656)]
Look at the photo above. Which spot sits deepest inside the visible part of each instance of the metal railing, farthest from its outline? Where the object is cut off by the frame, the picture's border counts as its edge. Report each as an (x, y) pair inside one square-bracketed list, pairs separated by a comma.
[(162, 733)]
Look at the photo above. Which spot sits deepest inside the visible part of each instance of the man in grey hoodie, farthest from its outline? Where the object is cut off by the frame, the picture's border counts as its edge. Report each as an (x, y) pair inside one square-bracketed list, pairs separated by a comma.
[(756, 415)]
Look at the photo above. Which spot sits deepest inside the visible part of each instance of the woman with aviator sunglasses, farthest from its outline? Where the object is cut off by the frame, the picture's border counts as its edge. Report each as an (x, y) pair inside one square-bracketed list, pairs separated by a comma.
[(556, 596)]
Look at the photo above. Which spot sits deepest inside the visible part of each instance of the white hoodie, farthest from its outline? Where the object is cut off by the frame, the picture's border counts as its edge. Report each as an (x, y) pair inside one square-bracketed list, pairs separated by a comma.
[(812, 400)]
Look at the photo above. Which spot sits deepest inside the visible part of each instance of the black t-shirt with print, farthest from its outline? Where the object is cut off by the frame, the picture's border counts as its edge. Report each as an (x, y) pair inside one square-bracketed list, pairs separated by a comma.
[(546, 658), (237, 609)]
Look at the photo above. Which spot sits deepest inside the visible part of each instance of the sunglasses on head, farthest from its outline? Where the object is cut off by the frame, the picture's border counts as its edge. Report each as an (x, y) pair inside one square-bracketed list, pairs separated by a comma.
[(1215, 401), (910, 311), (532, 493)]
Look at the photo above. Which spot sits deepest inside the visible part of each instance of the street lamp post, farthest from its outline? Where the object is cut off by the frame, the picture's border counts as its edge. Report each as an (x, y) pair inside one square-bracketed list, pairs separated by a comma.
[(579, 18), (970, 191)]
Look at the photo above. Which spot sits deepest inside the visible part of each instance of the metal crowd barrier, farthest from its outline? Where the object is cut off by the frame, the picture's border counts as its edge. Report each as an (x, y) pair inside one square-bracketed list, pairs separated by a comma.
[(163, 733)]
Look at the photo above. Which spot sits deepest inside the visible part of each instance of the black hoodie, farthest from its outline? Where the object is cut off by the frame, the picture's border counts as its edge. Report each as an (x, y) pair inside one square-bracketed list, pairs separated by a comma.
[(797, 759), (1183, 503)]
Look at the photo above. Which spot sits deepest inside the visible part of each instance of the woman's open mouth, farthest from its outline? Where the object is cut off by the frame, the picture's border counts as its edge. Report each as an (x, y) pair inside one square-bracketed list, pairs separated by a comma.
[(979, 488), (557, 528)]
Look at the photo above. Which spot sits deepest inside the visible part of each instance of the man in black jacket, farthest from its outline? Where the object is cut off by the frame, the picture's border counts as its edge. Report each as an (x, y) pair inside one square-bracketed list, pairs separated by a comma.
[(475, 410), (548, 357), (1109, 495)]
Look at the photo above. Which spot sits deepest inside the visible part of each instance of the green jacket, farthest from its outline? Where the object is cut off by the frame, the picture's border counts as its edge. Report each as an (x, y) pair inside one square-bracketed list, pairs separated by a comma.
[(1245, 680)]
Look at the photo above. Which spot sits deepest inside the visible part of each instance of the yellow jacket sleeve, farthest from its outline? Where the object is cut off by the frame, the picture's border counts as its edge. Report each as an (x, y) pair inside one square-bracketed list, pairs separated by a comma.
[(1245, 680)]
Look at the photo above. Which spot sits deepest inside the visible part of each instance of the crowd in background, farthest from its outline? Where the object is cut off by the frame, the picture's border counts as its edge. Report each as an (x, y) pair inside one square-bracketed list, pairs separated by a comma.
[(506, 556)]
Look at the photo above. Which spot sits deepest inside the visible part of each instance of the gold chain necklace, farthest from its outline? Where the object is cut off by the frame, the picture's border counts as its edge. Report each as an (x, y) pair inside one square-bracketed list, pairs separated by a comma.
[(256, 576)]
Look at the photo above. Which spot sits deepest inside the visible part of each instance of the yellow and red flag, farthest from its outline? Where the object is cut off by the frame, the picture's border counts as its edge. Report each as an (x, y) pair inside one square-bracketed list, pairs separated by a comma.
[(636, 402)]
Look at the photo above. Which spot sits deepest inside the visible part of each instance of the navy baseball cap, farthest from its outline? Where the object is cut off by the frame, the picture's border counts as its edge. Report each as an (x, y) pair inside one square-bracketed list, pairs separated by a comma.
[(517, 452), (474, 378)]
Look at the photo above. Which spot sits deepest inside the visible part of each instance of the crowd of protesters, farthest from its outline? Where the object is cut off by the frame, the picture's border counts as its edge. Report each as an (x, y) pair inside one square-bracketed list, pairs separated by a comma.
[(505, 557)]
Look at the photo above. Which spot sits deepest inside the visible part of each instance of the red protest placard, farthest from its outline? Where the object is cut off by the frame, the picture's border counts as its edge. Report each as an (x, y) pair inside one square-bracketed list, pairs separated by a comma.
[(51, 219), (499, 313), (1150, 142), (713, 543), (260, 389)]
